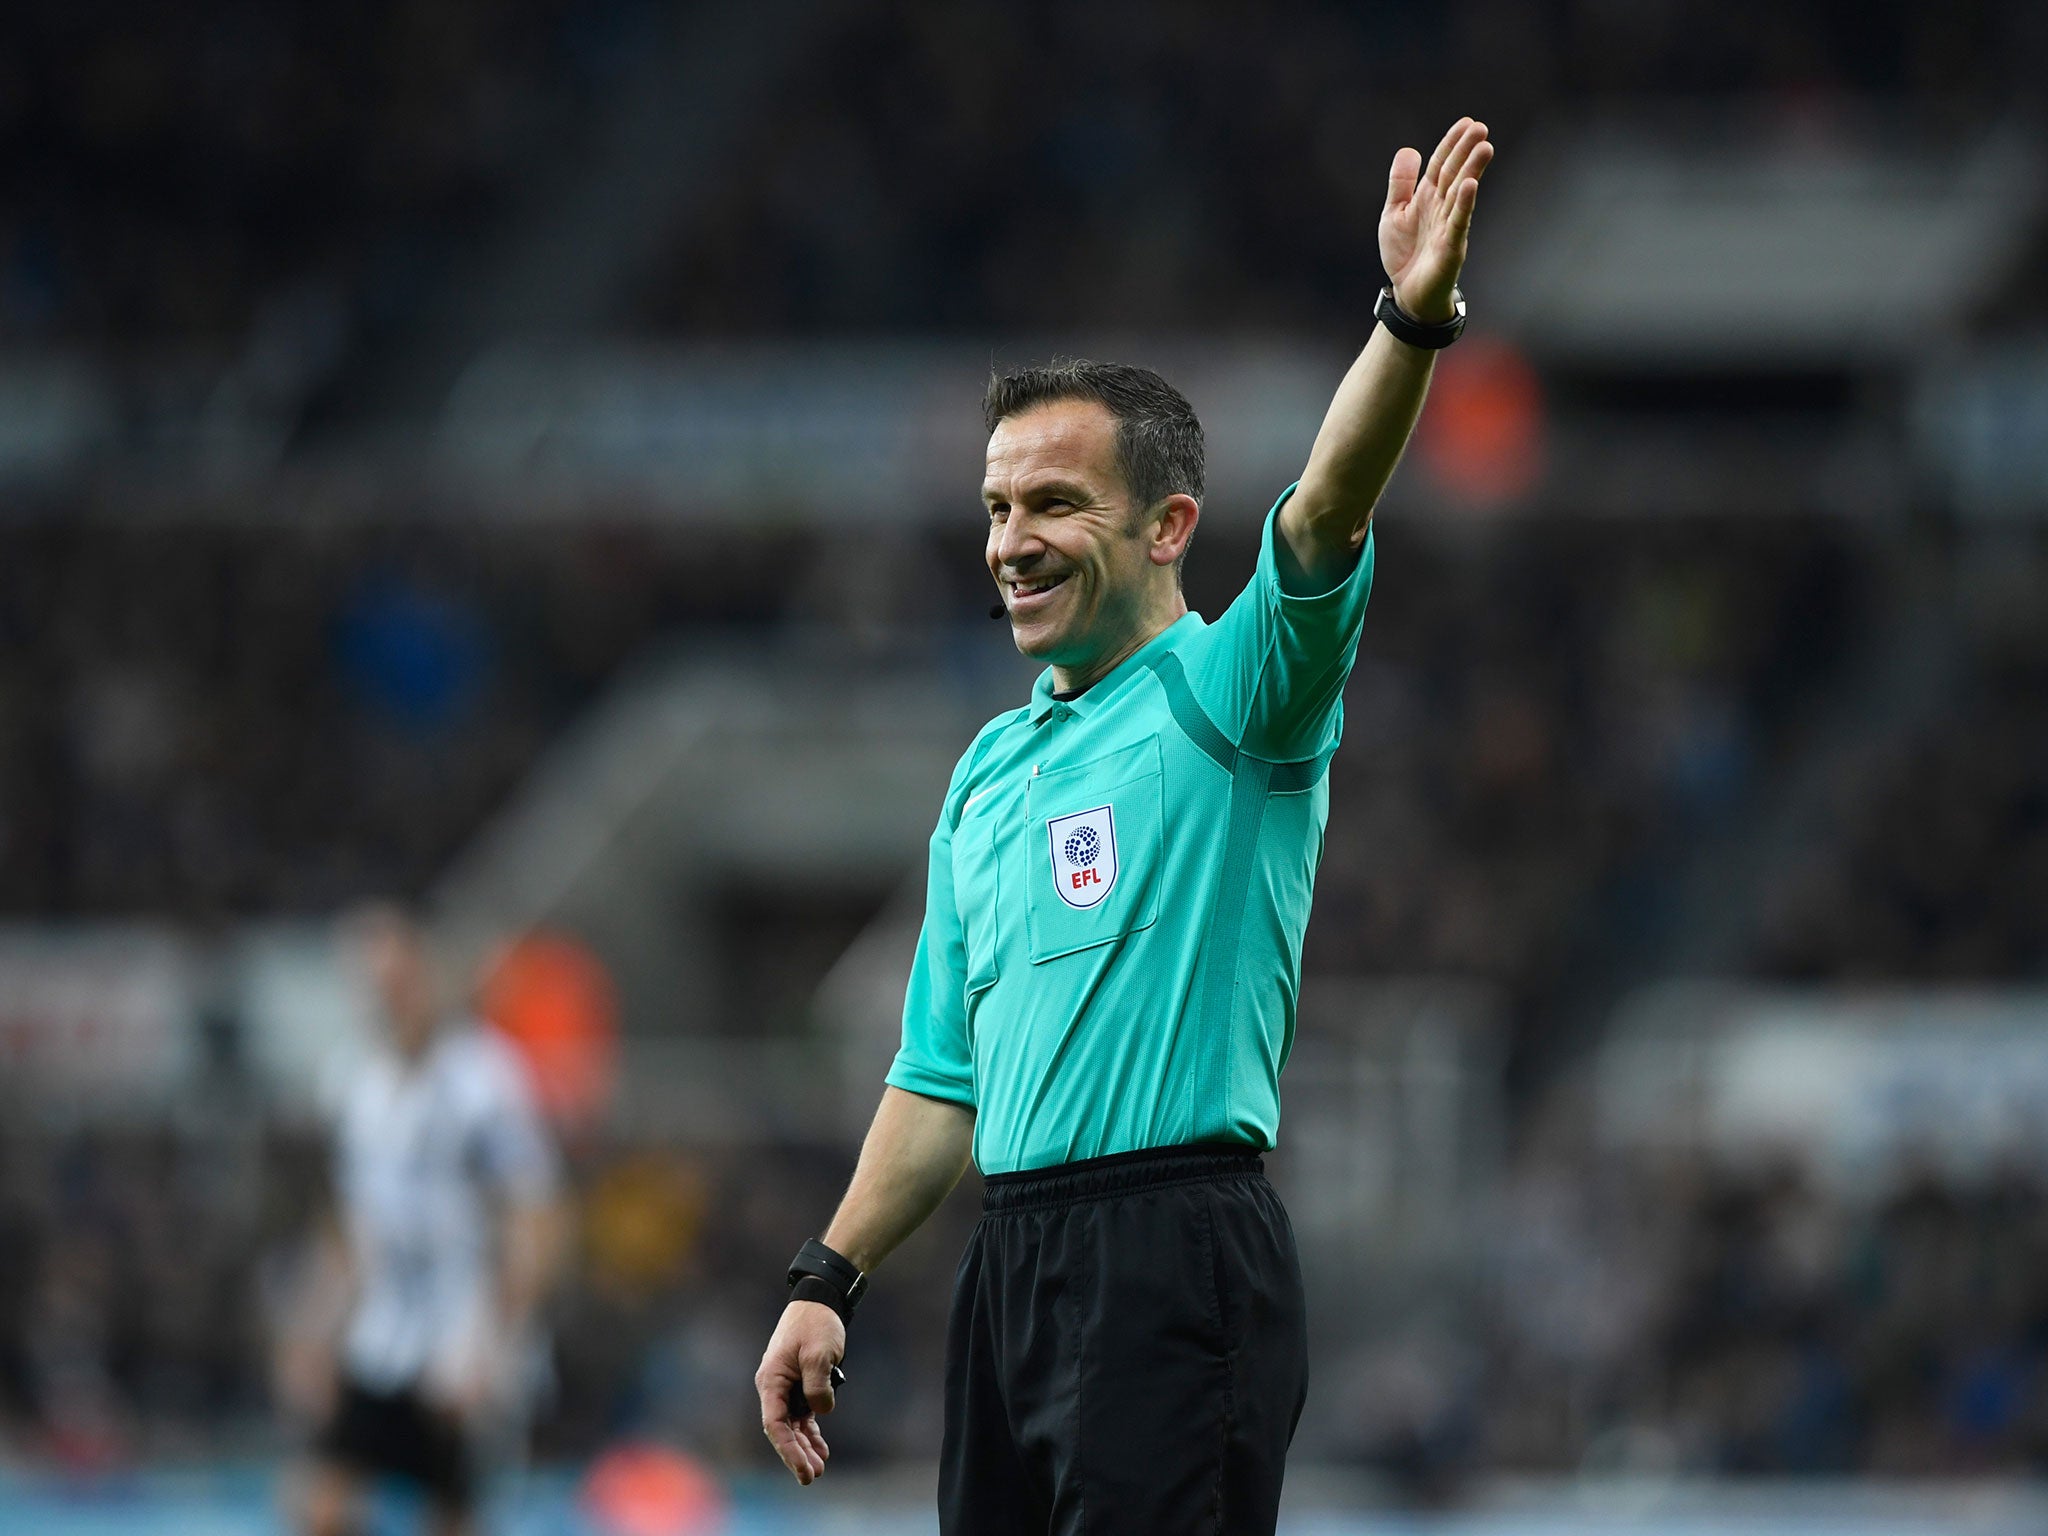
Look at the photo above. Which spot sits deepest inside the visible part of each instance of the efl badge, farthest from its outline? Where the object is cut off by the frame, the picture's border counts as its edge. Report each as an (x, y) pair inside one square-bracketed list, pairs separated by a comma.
[(1083, 855)]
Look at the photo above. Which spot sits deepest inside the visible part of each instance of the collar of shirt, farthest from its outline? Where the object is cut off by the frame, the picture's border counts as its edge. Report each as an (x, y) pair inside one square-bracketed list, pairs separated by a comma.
[(1118, 678)]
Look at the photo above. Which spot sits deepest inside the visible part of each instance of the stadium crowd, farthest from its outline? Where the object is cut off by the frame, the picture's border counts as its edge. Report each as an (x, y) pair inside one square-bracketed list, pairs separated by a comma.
[(130, 1269), (1934, 865), (1655, 1317), (1220, 178), (316, 176), (1537, 721), (253, 712), (1515, 774), (220, 718), (147, 1272), (201, 174), (1679, 1316)]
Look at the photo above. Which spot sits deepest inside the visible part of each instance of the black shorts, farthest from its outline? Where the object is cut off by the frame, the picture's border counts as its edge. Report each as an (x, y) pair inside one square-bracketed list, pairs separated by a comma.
[(398, 1434), (1127, 1351)]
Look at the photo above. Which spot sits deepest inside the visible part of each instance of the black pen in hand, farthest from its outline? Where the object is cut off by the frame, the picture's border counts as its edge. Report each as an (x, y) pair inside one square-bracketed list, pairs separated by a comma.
[(799, 1405)]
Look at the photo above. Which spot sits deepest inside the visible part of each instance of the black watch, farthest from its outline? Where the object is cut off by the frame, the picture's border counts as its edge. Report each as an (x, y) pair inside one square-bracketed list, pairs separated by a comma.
[(1406, 328), (819, 1274)]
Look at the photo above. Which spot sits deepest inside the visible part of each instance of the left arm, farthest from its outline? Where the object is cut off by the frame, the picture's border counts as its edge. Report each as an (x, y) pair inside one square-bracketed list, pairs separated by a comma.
[(1423, 233), (306, 1360), (530, 1259), (480, 1368)]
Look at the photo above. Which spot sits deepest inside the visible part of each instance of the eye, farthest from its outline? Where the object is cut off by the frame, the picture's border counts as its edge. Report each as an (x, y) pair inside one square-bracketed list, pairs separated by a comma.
[(998, 510)]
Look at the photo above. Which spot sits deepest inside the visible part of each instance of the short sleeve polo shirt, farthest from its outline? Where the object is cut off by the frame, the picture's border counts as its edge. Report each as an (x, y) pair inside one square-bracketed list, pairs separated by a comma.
[(1119, 886)]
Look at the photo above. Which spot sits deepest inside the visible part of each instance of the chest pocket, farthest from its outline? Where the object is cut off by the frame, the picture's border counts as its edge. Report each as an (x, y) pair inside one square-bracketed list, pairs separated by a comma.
[(1091, 851), (977, 895)]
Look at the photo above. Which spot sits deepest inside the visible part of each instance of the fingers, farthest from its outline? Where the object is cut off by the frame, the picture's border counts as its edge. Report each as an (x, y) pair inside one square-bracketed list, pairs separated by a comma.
[(1443, 150), (790, 1429), (795, 1436), (1456, 162), (814, 1439), (818, 1384), (1462, 203), (1462, 191), (801, 1446), (1402, 178)]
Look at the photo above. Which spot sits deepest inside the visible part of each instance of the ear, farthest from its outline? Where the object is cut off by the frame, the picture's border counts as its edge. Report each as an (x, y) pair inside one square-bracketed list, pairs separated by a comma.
[(1173, 524)]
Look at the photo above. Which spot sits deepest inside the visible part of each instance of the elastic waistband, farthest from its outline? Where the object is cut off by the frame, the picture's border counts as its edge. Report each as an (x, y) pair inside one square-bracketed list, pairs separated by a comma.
[(1097, 1178)]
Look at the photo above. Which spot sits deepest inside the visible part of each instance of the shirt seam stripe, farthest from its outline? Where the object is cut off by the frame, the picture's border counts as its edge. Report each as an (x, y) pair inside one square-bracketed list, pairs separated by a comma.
[(1248, 796), (1195, 722)]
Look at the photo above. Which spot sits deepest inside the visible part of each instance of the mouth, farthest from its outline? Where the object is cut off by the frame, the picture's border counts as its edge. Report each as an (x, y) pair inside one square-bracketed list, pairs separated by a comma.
[(1033, 592)]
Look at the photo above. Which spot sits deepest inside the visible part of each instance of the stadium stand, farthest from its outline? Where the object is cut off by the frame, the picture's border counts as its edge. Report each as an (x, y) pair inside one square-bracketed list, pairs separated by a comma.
[(1561, 721), (1222, 184), (188, 178), (1936, 865), (220, 719)]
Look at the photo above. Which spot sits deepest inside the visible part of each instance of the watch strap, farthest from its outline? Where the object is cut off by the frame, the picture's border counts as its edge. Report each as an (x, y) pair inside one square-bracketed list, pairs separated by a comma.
[(1417, 333), (821, 1274)]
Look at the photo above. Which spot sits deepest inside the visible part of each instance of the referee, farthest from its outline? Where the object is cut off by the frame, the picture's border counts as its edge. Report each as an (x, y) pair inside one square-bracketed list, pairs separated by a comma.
[(1103, 992)]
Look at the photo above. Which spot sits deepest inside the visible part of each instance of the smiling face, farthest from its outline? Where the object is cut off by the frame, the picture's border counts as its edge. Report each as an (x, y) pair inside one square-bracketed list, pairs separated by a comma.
[(1086, 577)]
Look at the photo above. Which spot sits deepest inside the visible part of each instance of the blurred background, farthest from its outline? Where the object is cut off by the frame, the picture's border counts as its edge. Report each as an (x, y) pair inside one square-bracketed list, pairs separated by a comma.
[(523, 457)]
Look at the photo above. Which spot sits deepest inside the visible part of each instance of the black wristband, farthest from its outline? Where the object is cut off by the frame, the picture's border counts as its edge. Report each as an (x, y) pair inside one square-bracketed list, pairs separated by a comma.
[(1418, 333), (817, 1273), (811, 1288)]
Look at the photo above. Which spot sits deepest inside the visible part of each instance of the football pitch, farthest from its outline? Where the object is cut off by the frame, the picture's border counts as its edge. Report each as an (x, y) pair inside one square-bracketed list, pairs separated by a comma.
[(245, 1501)]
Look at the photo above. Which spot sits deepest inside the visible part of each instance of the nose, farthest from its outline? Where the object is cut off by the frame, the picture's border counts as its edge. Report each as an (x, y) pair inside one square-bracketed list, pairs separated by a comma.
[(1014, 542)]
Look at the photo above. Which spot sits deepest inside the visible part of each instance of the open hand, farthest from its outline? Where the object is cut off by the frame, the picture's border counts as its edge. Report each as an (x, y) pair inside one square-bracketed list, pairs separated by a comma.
[(795, 1383), (1428, 216)]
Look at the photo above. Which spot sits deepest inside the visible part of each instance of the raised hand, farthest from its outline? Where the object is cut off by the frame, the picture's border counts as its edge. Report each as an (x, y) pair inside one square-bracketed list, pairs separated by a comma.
[(1428, 217)]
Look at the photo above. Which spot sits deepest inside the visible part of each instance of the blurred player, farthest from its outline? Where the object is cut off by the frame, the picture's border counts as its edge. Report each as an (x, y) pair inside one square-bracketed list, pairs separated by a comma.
[(421, 1335)]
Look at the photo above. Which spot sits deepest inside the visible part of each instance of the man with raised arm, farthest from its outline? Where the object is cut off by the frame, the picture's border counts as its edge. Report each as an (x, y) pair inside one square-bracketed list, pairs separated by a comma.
[(1103, 992)]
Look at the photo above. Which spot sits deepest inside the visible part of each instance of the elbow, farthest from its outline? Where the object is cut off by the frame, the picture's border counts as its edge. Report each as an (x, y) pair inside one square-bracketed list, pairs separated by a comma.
[(1334, 519), (1318, 545)]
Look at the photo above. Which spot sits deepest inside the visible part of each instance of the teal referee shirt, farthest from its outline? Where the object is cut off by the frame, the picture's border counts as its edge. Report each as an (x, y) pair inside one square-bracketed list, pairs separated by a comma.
[(1119, 887)]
